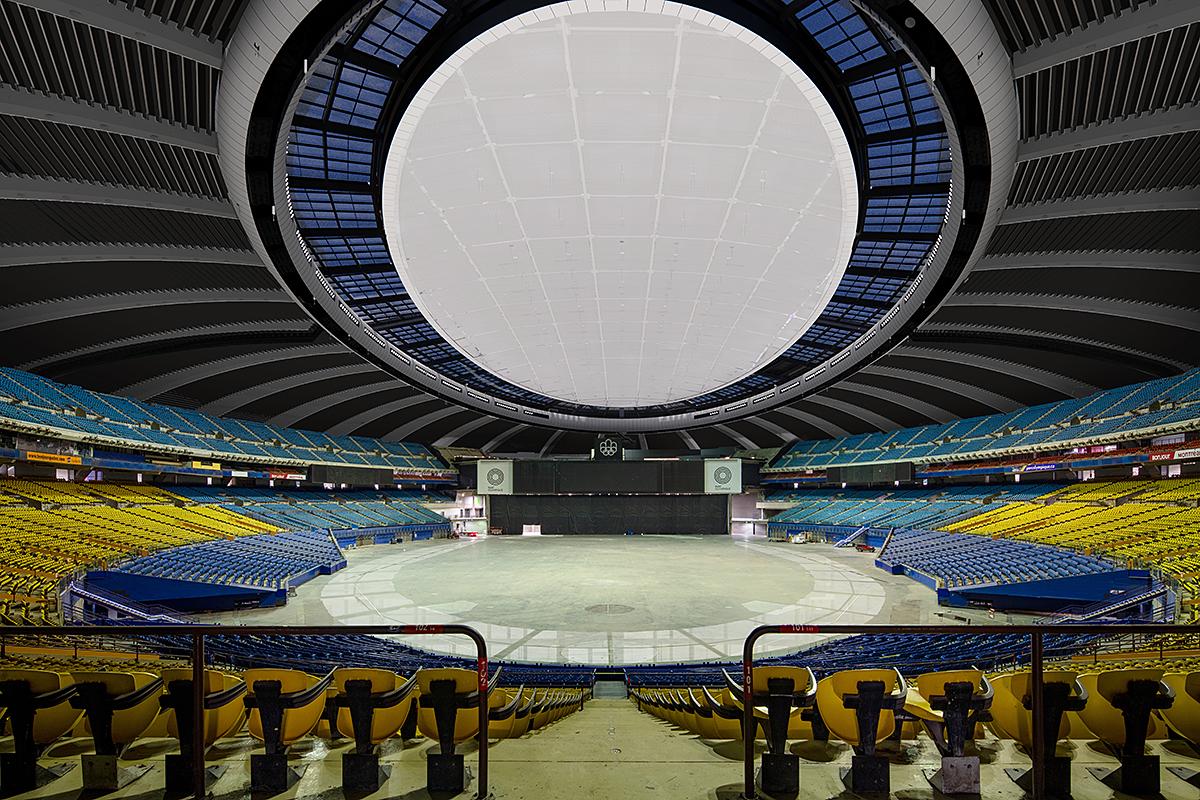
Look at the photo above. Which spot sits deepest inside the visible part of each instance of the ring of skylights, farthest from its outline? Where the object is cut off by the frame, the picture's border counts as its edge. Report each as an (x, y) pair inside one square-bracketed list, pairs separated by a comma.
[(333, 241), (620, 208)]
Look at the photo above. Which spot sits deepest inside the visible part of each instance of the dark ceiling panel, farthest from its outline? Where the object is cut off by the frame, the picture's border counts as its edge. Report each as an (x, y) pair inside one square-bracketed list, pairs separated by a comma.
[(38, 341), (483, 434), (665, 441), (283, 401), (227, 383), (375, 392), (1141, 230), (1160, 162), (862, 396), (51, 150), (1008, 383), (955, 403), (45, 222), (33, 283), (1148, 337), (798, 427), (1166, 287), (436, 429)]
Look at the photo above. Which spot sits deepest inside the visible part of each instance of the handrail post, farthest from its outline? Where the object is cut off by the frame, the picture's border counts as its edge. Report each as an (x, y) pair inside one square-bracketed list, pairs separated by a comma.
[(749, 728), (484, 712), (199, 790), (1038, 708)]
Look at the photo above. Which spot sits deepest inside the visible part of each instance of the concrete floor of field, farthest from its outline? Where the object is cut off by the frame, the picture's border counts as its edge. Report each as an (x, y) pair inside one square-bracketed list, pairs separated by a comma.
[(608, 599), (609, 750)]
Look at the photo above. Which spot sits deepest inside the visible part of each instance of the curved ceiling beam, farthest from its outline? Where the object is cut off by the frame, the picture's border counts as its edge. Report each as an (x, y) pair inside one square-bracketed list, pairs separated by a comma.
[(1160, 123), (735, 436), (1149, 362), (992, 400), (820, 423), (558, 435), (20, 103), (449, 439), (1049, 380), (364, 418), (297, 413), (1125, 26), (139, 26), (922, 407), (25, 314), (1156, 200), (498, 440), (402, 432), (868, 416), (783, 433), (32, 187), (1131, 259), (253, 394), (1171, 316), (152, 387), (104, 348), (25, 254)]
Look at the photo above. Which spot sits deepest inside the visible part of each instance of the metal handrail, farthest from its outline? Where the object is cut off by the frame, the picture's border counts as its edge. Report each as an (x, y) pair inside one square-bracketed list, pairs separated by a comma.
[(198, 633), (1036, 633)]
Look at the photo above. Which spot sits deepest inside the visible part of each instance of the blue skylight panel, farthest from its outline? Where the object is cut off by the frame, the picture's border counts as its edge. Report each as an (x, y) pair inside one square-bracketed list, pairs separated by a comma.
[(876, 289), (851, 314), (379, 312), (397, 27), (922, 213), (344, 93), (345, 251), (328, 156), (842, 31), (322, 208), (904, 162), (366, 285), (894, 255)]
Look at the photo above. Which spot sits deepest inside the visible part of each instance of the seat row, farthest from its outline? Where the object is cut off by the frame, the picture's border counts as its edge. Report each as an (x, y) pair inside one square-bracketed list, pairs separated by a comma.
[(1122, 708), (277, 707)]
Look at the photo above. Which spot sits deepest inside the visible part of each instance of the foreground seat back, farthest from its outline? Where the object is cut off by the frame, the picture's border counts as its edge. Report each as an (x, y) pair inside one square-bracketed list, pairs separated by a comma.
[(464, 722), (297, 722), (1011, 714), (220, 722), (843, 722), (1183, 716), (1104, 715), (503, 707), (52, 722), (134, 699), (950, 705), (385, 721)]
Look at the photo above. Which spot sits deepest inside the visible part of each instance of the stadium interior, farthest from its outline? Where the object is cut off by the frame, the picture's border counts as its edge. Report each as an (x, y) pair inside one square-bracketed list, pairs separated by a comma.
[(698, 401)]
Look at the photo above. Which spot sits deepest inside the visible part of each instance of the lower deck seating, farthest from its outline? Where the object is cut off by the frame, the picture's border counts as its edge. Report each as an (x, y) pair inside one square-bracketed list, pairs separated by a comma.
[(1153, 524), (265, 561), (960, 560)]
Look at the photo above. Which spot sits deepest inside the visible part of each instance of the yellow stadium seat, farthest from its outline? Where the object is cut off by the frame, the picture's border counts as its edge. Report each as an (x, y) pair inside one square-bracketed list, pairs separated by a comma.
[(285, 706), (859, 707), (37, 704), (950, 706), (129, 700), (503, 708), (1183, 717), (1120, 713), (392, 702), (1012, 718)]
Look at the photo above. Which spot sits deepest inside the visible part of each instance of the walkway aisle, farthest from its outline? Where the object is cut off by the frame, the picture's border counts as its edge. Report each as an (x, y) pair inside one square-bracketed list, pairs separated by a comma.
[(611, 750)]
